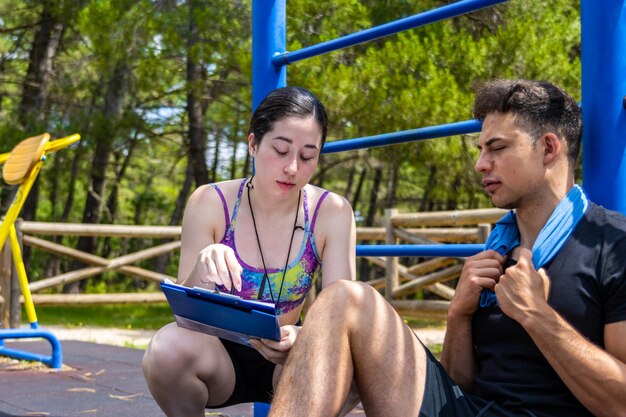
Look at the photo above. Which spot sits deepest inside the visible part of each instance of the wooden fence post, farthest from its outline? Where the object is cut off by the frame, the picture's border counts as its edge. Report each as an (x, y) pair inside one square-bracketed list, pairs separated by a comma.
[(483, 232), (16, 291), (5, 286), (391, 262)]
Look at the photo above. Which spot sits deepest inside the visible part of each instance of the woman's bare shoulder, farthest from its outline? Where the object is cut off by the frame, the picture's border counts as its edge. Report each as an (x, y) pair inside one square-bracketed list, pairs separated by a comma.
[(332, 201), (206, 198), (208, 193)]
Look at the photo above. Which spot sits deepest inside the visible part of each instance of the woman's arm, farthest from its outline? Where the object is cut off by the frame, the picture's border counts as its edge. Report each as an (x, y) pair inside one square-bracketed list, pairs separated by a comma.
[(203, 261), (336, 227)]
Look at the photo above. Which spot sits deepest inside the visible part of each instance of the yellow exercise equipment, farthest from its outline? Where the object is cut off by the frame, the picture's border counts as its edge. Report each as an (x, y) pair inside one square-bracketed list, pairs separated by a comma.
[(21, 167)]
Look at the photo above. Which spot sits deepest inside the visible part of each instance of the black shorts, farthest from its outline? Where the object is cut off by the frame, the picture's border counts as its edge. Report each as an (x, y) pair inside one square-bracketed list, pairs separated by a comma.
[(444, 398), (253, 375)]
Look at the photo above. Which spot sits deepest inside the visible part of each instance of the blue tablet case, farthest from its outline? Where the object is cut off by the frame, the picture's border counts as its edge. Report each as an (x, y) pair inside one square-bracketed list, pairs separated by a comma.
[(223, 315)]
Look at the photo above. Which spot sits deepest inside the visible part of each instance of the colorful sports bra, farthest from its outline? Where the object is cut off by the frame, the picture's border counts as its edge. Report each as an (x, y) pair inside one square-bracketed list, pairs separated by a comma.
[(301, 273)]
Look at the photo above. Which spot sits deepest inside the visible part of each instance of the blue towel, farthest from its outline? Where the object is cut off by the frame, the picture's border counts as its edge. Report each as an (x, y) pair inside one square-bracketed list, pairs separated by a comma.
[(558, 228)]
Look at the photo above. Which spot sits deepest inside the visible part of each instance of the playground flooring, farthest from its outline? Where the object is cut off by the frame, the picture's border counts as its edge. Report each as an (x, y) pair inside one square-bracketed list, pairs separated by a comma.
[(96, 380)]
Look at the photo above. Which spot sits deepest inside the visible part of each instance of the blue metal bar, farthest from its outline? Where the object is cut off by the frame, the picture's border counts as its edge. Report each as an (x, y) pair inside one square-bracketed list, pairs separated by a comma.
[(431, 132), (604, 96), (53, 361), (421, 19), (268, 36), (261, 409), (444, 250)]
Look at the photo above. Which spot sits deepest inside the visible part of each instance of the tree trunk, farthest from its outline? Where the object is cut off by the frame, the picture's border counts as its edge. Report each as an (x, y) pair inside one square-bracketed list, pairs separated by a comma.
[(127, 155), (31, 111), (359, 187), (371, 213), (392, 186), (197, 136), (233, 161), (350, 182), (216, 158), (177, 215), (112, 200), (103, 136), (426, 204)]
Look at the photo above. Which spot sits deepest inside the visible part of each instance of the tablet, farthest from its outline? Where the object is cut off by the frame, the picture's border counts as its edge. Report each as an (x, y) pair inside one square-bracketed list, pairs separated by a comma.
[(220, 314)]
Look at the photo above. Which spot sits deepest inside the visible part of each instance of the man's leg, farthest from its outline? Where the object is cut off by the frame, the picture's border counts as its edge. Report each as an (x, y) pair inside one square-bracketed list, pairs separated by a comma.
[(351, 332)]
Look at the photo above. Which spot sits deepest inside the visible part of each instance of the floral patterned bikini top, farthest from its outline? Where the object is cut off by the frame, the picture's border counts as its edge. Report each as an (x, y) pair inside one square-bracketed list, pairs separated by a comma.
[(301, 273)]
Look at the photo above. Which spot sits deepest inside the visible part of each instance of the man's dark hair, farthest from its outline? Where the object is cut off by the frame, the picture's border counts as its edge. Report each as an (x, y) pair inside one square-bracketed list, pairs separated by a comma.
[(287, 102), (539, 108)]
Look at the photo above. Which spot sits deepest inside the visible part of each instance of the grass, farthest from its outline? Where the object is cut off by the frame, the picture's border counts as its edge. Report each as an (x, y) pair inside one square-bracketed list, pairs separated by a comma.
[(121, 316)]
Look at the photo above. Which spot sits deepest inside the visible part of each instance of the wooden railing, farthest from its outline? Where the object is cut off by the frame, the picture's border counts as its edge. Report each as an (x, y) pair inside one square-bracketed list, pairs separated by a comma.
[(399, 283)]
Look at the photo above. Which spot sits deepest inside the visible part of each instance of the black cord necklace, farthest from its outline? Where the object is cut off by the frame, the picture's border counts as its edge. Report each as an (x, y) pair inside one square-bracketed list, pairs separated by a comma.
[(266, 278)]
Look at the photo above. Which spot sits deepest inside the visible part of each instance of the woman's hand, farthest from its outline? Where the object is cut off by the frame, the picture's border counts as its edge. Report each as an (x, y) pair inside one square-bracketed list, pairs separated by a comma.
[(275, 351), (215, 265)]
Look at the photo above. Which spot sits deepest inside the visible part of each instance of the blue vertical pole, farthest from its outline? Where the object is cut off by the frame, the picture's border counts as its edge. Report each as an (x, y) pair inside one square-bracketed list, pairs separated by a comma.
[(603, 28), (268, 38)]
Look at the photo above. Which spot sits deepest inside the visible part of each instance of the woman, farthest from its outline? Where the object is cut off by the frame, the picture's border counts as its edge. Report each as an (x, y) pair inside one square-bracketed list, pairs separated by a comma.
[(268, 237)]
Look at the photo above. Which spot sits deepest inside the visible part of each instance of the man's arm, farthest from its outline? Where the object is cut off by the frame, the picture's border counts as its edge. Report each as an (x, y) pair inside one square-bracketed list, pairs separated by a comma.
[(457, 355), (479, 272), (597, 377)]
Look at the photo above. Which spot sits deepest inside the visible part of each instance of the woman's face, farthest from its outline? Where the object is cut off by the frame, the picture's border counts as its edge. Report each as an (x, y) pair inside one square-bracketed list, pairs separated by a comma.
[(287, 155)]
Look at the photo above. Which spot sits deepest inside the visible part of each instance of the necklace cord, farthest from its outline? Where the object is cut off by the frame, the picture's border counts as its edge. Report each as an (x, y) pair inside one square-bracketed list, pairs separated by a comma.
[(293, 233), (249, 186)]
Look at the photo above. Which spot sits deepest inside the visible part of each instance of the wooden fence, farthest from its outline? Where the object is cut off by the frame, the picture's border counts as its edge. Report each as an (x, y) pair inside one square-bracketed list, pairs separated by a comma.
[(399, 282)]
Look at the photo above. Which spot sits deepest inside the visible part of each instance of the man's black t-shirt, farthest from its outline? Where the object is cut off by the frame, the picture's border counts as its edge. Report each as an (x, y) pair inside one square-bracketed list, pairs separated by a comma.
[(587, 288)]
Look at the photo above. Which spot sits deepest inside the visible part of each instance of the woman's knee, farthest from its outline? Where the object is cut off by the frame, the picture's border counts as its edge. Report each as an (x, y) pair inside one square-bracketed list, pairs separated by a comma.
[(172, 352), (162, 352)]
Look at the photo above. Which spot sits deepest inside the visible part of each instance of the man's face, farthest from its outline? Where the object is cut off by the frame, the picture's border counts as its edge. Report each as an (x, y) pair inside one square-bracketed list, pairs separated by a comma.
[(512, 168)]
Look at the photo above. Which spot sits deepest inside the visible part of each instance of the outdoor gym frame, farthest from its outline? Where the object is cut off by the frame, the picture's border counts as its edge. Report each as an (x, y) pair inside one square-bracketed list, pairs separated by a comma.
[(603, 35)]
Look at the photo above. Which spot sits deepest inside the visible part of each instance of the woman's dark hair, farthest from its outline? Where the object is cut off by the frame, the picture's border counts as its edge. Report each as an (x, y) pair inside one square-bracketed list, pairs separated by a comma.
[(539, 108), (287, 102)]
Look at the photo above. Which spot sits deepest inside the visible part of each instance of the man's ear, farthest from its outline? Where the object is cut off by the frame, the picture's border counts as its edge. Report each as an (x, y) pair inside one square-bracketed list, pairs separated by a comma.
[(251, 145), (552, 147)]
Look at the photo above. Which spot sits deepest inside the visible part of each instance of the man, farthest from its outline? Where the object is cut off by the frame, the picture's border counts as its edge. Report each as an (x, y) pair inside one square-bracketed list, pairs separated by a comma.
[(537, 326)]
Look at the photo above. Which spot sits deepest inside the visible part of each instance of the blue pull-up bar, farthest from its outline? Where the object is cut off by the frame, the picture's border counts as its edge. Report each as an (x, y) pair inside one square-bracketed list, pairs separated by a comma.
[(421, 19), (430, 132), (452, 250)]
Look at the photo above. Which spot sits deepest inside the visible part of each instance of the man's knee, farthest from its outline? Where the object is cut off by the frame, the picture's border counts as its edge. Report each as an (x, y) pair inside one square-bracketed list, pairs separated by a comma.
[(348, 294)]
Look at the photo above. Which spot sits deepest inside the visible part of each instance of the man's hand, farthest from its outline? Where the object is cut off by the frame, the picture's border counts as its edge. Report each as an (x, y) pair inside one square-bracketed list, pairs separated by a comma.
[(479, 272), (275, 351), (522, 290)]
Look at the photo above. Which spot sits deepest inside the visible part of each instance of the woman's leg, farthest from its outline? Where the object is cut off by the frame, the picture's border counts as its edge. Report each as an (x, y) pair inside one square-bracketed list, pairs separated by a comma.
[(187, 370)]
